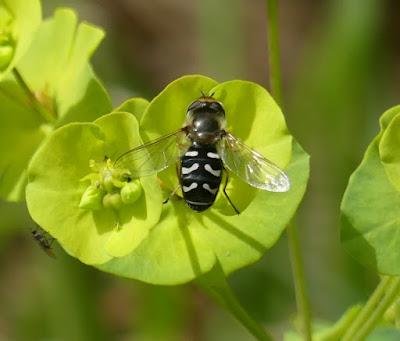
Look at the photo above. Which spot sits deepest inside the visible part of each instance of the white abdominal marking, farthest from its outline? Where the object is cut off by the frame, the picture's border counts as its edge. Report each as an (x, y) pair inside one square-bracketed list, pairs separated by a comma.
[(208, 168), (190, 169), (208, 188), (198, 203), (192, 153), (193, 185), (213, 155)]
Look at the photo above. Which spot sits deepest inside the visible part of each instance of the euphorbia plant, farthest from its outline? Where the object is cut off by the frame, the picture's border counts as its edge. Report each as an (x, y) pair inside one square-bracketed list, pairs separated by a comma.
[(75, 191), (61, 123)]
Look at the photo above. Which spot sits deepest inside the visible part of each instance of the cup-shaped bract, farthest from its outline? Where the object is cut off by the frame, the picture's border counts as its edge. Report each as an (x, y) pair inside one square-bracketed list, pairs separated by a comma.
[(94, 224), (185, 244), (371, 203), (56, 70)]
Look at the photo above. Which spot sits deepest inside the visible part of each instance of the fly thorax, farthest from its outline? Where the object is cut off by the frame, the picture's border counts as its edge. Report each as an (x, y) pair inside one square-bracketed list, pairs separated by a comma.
[(205, 127)]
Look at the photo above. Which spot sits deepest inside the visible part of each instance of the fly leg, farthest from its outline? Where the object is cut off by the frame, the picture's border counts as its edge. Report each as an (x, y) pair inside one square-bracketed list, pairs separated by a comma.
[(226, 194), (172, 194), (177, 187)]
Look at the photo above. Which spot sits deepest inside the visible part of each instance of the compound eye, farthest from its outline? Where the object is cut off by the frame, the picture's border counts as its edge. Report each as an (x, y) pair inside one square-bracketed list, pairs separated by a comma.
[(195, 105), (216, 106)]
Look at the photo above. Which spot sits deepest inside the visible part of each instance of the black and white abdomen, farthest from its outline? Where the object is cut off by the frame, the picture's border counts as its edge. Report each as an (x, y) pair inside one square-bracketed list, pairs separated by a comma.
[(201, 174)]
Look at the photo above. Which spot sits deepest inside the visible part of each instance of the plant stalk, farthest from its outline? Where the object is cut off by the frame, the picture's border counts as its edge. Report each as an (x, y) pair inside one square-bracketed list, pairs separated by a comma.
[(274, 55), (37, 106), (296, 260), (384, 295), (217, 287), (302, 299), (368, 308)]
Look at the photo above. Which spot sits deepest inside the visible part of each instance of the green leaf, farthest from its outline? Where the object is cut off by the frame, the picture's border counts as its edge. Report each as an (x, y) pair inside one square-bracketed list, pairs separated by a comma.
[(55, 190), (370, 208), (56, 68), (185, 244), (19, 20), (389, 148)]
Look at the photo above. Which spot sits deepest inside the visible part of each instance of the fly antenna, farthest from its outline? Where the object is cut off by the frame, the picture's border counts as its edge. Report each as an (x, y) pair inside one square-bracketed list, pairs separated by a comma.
[(203, 94)]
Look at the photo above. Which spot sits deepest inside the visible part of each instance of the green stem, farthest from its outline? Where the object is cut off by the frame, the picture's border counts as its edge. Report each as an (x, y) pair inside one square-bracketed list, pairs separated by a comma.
[(388, 299), (216, 286), (368, 308), (274, 57), (37, 106), (275, 76), (296, 260)]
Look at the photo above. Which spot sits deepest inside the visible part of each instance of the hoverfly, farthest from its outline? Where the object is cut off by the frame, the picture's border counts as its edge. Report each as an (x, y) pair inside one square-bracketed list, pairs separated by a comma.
[(204, 149), (43, 241)]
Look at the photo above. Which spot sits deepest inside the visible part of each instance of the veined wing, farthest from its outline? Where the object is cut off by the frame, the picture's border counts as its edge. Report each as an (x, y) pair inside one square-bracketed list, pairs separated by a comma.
[(251, 166), (154, 156)]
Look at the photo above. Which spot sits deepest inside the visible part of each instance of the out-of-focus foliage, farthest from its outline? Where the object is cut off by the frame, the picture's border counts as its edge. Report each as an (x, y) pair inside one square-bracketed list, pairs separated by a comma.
[(19, 20), (372, 201), (56, 69)]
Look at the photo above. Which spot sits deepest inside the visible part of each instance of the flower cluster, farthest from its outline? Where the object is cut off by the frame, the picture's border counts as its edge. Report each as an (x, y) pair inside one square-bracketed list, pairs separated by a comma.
[(109, 187)]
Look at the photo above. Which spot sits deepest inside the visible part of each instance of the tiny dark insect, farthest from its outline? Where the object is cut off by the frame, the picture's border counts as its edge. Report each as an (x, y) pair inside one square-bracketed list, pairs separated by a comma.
[(204, 150), (44, 241)]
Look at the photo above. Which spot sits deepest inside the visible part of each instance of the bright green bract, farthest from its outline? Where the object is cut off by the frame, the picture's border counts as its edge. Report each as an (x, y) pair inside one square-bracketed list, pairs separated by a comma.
[(55, 190), (19, 20), (56, 68), (184, 244), (371, 204)]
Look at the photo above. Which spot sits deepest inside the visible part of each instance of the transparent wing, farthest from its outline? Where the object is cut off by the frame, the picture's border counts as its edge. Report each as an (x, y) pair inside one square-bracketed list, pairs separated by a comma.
[(154, 156), (251, 166)]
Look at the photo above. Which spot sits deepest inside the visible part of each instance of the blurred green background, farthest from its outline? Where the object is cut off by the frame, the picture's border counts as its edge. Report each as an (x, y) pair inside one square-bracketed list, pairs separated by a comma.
[(341, 70)]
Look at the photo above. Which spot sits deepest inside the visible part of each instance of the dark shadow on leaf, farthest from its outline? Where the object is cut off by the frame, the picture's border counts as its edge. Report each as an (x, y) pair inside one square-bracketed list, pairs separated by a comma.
[(363, 251), (249, 240), (194, 260)]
